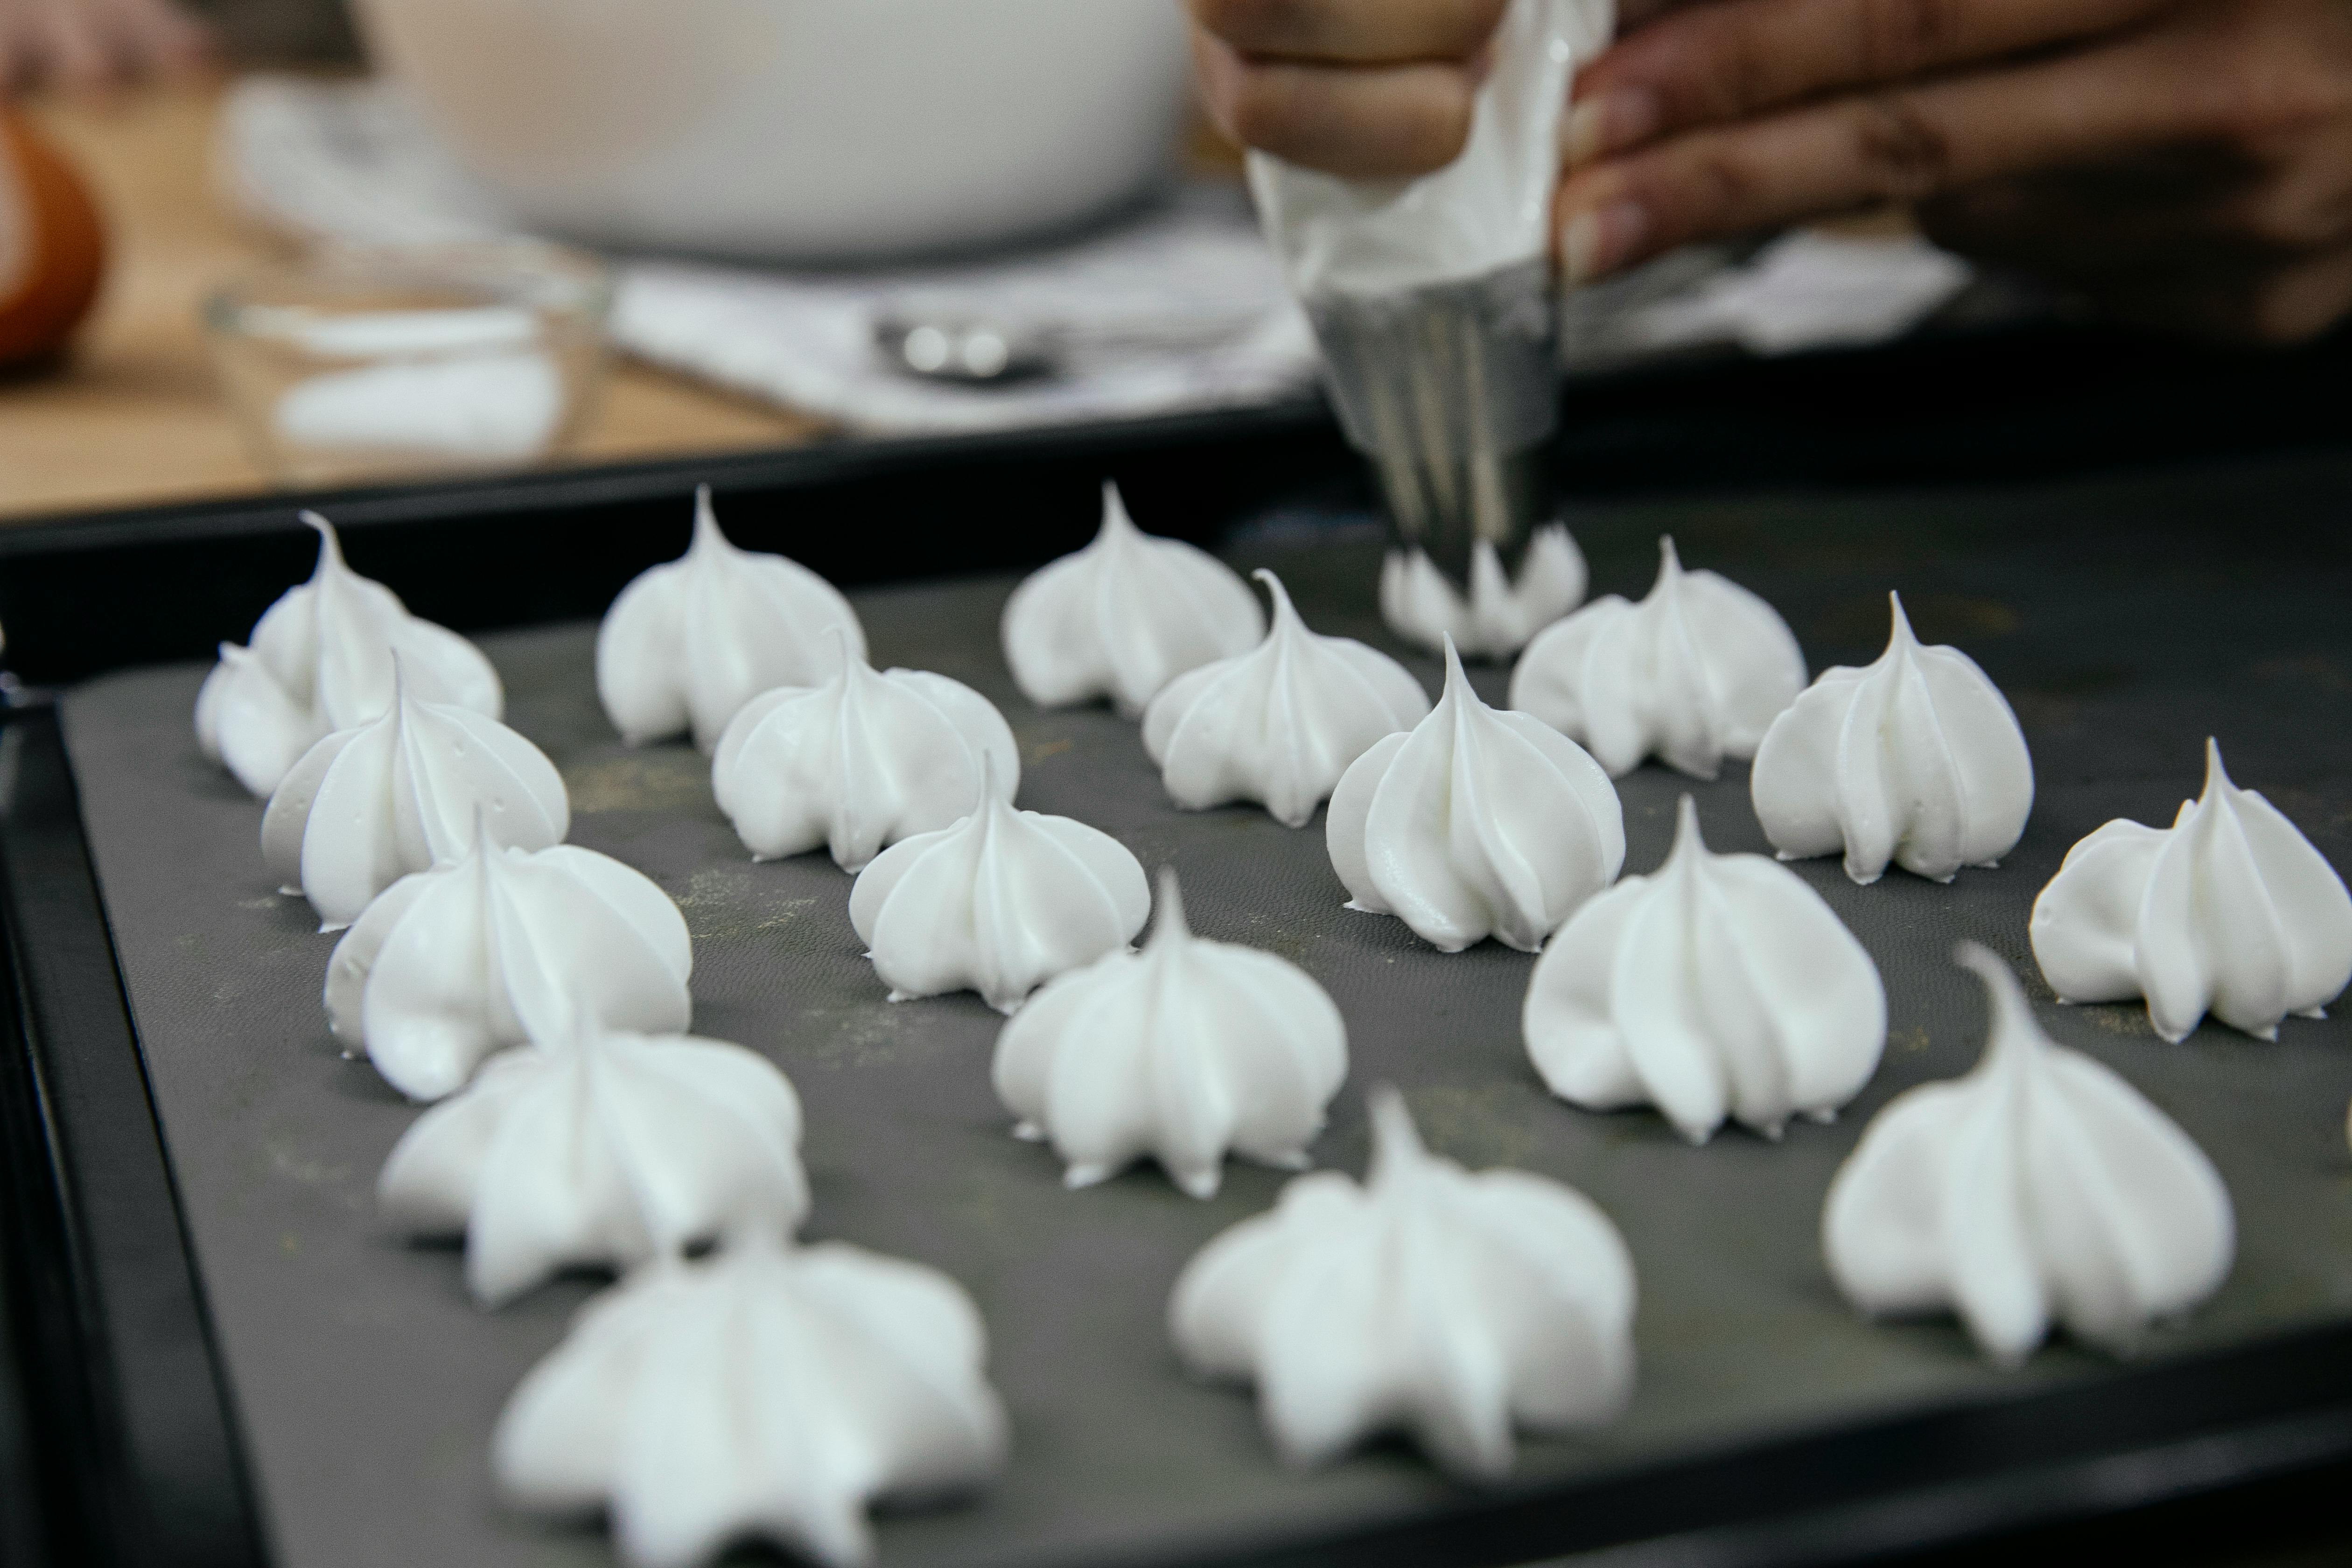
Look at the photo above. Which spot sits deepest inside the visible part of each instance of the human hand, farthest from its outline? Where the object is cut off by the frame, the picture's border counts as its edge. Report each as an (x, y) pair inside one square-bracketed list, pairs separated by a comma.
[(2182, 163), (1367, 89), (93, 43)]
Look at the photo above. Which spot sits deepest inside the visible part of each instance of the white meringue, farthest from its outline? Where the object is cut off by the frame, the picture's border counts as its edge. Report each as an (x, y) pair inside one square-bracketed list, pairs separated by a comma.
[(1476, 823), (1448, 1305), (1280, 723), (1499, 616), (858, 763), (597, 1148), (1916, 759), (319, 660), (1180, 1052), (999, 904), (766, 1391), (688, 642), (402, 793), (1124, 616), (1694, 673), (449, 965), (2040, 1187), (1719, 987), (2230, 910)]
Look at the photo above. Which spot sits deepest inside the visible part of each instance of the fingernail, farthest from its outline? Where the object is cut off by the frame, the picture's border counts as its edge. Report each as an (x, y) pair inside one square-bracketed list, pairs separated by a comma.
[(1609, 123), (1596, 242)]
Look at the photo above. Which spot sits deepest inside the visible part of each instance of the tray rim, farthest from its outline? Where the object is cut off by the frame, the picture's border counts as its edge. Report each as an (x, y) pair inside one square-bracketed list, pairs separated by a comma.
[(134, 1382), (2124, 1438), (361, 506), (1957, 358)]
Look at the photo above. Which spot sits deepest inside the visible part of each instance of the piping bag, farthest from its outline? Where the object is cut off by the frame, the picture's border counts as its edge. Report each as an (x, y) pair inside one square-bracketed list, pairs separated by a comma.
[(1434, 302)]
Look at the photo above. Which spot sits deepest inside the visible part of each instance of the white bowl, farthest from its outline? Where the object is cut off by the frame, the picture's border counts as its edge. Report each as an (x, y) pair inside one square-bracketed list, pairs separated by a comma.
[(799, 130)]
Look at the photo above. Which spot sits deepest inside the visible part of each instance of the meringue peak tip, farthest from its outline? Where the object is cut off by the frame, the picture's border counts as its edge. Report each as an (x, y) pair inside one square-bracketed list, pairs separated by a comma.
[(844, 655), (1115, 515), (2011, 1016), (991, 797), (1689, 838), (2217, 773), (1899, 632), (331, 543), (707, 531), (1202, 1183), (1284, 612), (1396, 1140), (1976, 957), (1670, 559), (1455, 676), (1169, 924)]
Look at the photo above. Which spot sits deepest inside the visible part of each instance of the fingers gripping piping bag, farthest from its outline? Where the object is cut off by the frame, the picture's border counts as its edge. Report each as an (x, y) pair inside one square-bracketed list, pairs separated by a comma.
[(1431, 298)]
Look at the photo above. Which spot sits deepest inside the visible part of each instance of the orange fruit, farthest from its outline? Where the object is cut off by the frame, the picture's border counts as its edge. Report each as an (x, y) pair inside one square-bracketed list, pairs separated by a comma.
[(52, 245)]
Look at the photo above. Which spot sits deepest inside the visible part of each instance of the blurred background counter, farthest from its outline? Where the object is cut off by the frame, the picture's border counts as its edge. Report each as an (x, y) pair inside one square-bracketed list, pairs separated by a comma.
[(135, 414)]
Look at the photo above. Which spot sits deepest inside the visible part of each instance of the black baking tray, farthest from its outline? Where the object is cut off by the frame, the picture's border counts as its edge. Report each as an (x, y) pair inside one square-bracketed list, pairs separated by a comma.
[(119, 1434)]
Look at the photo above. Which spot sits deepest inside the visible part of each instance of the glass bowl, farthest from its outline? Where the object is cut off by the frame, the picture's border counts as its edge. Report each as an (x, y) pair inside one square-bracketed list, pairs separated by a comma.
[(368, 363)]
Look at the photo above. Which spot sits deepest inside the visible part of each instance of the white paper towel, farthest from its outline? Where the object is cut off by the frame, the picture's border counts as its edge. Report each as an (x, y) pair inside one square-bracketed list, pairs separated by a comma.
[(1179, 309)]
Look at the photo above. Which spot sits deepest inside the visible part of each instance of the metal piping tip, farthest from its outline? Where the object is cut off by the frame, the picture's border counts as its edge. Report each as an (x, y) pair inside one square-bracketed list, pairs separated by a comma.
[(1451, 392)]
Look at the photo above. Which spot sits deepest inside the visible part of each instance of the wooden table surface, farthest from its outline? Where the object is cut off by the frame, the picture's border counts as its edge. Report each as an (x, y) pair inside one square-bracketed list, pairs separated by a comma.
[(133, 416)]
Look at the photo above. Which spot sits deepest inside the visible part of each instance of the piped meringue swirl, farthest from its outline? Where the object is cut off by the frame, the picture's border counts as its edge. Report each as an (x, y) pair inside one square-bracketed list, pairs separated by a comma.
[(2230, 911), (2039, 1188), (447, 965), (998, 903), (1718, 987), (1454, 1307), (1476, 823), (1280, 723), (858, 763), (1694, 673), (599, 1148), (770, 1390), (320, 660), (1500, 612), (404, 792), (1916, 760), (1124, 616), (1177, 1053), (687, 643)]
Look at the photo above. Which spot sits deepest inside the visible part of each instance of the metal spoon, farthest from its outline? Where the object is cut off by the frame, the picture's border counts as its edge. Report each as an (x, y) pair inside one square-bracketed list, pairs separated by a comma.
[(973, 350), (942, 341)]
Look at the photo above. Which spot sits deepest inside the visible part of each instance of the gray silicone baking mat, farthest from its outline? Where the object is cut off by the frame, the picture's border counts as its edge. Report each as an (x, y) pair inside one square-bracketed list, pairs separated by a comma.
[(2126, 619)]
